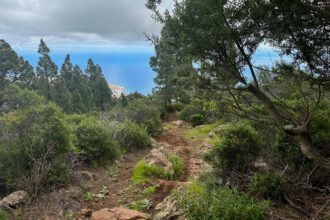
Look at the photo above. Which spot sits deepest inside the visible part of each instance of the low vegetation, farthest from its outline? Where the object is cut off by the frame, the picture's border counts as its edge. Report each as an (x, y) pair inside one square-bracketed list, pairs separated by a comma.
[(221, 203)]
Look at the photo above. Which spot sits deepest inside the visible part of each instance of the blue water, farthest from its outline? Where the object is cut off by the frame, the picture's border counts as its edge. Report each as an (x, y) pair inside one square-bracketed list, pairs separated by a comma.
[(128, 67)]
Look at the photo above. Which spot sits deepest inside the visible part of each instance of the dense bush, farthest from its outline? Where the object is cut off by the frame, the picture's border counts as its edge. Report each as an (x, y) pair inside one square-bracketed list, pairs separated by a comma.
[(191, 109), (268, 184), (13, 98), (95, 140), (197, 119), (320, 129), (131, 136), (141, 112), (238, 147), (174, 107), (222, 203), (34, 143)]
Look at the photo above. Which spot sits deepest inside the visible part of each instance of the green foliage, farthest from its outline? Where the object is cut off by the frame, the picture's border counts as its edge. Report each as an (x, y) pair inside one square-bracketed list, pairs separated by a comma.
[(195, 107), (238, 147), (320, 128), (131, 136), (201, 133), (89, 196), (32, 139), (95, 140), (141, 111), (141, 205), (150, 190), (143, 172), (12, 98), (3, 215), (287, 149), (222, 203), (197, 119), (268, 184), (177, 163), (174, 107)]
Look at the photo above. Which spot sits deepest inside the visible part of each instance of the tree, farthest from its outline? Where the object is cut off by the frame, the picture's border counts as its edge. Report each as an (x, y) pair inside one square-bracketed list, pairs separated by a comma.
[(101, 91), (222, 37), (175, 75), (46, 71), (14, 69)]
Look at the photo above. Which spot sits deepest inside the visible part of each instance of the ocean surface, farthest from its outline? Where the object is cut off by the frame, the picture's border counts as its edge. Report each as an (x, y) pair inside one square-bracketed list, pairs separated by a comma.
[(124, 66)]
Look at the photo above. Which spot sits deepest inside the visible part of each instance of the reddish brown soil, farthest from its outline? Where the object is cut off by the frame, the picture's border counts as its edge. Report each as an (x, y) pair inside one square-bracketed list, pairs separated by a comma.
[(119, 190)]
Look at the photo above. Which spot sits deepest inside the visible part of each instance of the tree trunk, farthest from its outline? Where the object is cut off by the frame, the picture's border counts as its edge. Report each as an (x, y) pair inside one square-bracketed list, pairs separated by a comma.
[(310, 152), (301, 132)]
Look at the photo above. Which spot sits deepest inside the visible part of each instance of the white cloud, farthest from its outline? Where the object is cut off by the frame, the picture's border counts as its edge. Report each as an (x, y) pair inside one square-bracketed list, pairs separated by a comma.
[(67, 21)]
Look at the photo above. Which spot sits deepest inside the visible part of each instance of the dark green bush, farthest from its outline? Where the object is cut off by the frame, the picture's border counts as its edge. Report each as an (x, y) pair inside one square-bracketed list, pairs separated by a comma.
[(268, 184), (197, 119), (131, 136), (141, 112), (238, 147), (174, 107), (222, 203), (320, 130), (95, 140), (34, 142), (191, 109)]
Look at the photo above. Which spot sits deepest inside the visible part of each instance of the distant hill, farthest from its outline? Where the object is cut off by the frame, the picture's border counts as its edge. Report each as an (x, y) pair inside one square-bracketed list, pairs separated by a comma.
[(117, 90)]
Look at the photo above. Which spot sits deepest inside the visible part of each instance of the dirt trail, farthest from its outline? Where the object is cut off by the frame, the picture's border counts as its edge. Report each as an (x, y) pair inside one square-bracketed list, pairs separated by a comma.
[(172, 139), (120, 190)]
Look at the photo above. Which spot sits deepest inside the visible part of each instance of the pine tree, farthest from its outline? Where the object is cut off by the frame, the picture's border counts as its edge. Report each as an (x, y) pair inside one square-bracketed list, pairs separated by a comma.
[(14, 69), (46, 71), (102, 93)]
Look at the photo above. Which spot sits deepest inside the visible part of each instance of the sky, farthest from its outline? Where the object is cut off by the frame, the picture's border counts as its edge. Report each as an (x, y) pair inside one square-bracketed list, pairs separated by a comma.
[(111, 32)]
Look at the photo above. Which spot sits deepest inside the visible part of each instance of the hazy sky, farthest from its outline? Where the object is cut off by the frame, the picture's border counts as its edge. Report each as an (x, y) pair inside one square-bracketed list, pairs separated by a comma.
[(76, 22)]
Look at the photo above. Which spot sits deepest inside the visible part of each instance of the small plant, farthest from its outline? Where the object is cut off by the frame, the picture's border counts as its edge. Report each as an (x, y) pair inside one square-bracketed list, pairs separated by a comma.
[(103, 193), (141, 205), (142, 172), (18, 214), (221, 203), (269, 184), (112, 171), (69, 215), (150, 190), (177, 163), (3, 215), (197, 119), (89, 196)]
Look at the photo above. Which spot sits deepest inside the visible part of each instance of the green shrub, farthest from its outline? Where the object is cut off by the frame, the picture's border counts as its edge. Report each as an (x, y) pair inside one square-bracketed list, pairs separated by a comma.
[(177, 163), (174, 107), (320, 130), (143, 172), (141, 112), (191, 109), (268, 184), (222, 203), (197, 119), (141, 205), (287, 149), (31, 140), (131, 136), (238, 147), (95, 140)]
